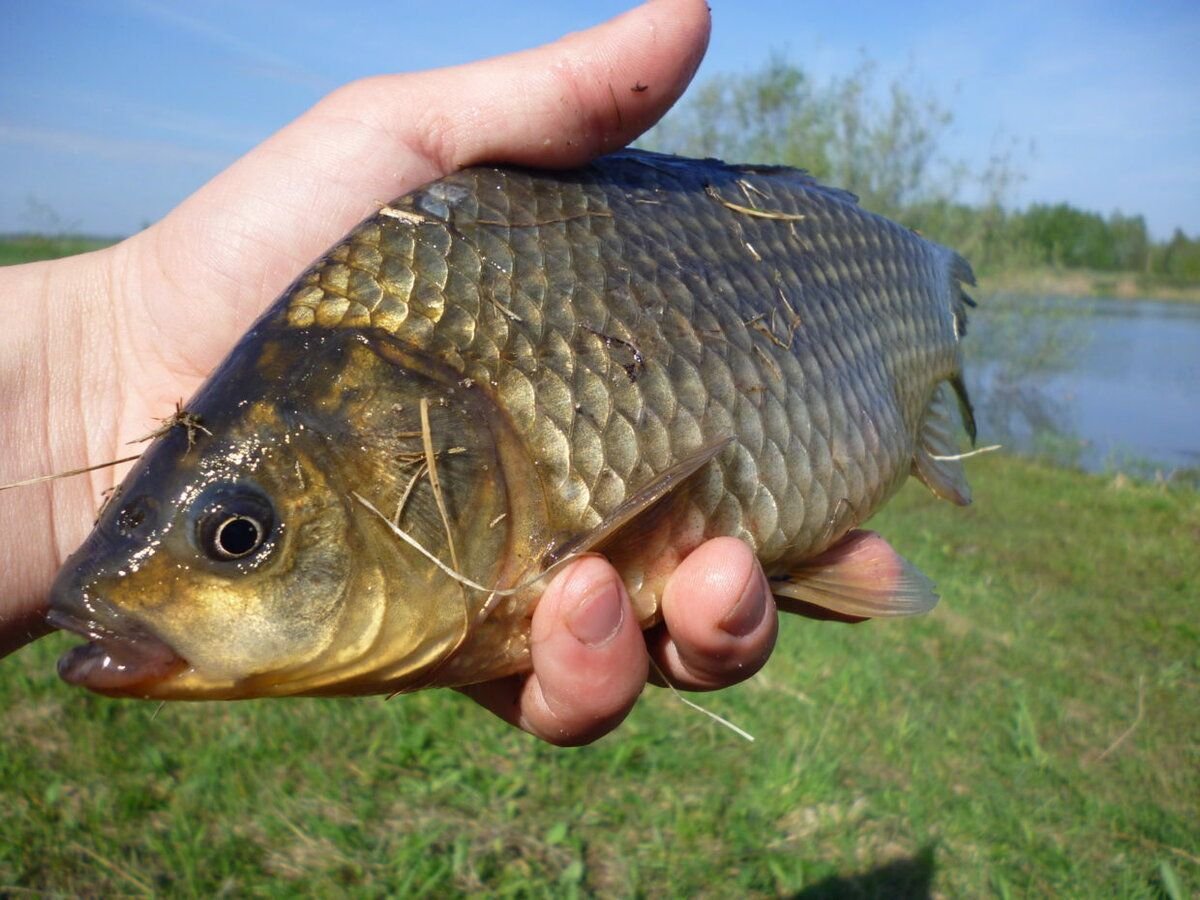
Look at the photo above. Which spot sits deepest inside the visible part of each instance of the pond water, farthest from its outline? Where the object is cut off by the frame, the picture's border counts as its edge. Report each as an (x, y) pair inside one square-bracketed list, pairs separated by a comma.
[(1100, 383)]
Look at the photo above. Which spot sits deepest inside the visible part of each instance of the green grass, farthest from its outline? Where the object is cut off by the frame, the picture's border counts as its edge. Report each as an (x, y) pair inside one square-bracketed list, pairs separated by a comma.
[(1037, 735)]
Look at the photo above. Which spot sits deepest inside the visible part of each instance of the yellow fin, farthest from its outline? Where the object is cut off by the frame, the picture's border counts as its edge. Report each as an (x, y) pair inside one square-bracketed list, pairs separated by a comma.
[(664, 483), (934, 461), (861, 577)]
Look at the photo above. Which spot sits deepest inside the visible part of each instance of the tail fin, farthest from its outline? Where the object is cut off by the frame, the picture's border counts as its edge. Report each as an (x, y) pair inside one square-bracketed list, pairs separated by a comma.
[(936, 460)]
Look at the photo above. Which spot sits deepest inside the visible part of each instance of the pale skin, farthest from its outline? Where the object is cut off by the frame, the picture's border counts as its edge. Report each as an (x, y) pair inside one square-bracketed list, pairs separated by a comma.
[(97, 348)]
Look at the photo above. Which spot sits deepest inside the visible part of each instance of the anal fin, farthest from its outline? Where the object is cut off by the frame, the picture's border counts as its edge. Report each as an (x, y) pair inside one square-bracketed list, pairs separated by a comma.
[(861, 577)]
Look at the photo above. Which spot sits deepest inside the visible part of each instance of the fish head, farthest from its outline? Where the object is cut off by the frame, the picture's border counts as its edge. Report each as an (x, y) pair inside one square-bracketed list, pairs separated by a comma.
[(237, 559)]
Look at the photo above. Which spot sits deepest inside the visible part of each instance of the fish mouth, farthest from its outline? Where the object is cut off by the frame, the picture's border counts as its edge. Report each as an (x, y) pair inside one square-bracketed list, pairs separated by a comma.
[(128, 663)]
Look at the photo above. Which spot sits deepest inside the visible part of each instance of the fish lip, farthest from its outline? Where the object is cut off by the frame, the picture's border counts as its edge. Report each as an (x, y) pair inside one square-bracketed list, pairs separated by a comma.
[(125, 663)]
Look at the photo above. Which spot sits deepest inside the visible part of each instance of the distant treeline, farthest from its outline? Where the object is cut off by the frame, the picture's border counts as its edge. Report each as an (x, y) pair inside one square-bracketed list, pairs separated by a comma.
[(23, 248), (1057, 235), (885, 146)]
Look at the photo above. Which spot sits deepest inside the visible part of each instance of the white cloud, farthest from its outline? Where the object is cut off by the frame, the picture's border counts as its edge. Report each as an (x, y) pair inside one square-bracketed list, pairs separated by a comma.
[(61, 140), (258, 59)]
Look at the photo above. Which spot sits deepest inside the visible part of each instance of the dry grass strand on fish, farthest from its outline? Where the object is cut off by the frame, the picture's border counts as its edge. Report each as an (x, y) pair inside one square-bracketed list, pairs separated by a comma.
[(42, 479), (458, 576)]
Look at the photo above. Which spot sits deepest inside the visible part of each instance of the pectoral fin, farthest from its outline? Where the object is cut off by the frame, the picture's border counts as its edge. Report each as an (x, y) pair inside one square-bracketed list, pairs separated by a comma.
[(642, 501), (861, 577)]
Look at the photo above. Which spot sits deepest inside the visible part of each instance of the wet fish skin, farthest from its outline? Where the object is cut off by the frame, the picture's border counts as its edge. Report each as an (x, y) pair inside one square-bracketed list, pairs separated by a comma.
[(572, 337)]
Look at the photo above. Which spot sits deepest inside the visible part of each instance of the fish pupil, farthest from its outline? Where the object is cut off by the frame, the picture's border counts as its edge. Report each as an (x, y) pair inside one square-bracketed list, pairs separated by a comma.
[(237, 536)]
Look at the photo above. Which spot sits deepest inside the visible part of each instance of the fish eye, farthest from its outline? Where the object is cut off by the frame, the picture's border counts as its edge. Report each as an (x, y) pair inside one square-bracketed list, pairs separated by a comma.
[(234, 522)]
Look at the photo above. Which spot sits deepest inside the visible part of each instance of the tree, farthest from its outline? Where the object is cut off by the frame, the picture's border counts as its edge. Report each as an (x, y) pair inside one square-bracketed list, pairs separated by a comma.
[(1131, 243), (883, 150), (882, 144), (1180, 258)]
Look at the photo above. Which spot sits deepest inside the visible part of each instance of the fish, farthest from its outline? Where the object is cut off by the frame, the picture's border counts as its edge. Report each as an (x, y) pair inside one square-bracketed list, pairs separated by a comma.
[(506, 369)]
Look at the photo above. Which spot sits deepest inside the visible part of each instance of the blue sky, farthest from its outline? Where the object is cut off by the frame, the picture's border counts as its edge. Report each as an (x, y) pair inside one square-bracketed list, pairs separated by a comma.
[(112, 112)]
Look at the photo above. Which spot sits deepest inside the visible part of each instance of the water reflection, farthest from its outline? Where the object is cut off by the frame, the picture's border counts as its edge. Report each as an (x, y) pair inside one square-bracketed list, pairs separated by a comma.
[(1096, 383)]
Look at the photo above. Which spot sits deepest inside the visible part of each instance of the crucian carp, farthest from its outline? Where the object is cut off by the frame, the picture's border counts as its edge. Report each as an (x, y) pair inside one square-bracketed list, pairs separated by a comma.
[(507, 368)]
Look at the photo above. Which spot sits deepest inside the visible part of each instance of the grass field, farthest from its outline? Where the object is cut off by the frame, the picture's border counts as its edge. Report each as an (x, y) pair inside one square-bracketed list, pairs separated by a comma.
[(1037, 735)]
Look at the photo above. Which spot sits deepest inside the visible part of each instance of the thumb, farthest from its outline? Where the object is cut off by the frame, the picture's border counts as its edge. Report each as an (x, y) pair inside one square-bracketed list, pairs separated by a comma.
[(559, 105)]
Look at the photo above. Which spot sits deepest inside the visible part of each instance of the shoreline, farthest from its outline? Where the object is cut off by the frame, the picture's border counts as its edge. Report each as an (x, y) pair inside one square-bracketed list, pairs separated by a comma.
[(1086, 283)]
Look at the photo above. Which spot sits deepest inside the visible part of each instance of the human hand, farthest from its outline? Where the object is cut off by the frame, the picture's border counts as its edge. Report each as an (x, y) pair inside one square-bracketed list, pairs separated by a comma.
[(97, 347), (591, 661)]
